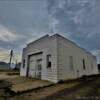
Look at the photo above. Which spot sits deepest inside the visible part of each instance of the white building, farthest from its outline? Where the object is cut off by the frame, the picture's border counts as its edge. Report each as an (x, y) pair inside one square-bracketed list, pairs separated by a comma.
[(56, 58)]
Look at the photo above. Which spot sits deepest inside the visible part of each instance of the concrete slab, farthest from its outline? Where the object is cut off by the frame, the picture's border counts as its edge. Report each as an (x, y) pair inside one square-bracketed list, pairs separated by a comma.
[(22, 84), (30, 85)]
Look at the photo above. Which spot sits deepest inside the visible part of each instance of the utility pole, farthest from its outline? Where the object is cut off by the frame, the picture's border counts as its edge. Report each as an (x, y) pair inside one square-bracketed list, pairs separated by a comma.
[(11, 55), (16, 64)]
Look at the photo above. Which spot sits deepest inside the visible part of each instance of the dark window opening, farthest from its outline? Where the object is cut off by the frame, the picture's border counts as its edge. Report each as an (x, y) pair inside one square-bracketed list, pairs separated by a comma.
[(84, 67), (48, 61), (24, 63), (49, 64), (71, 62)]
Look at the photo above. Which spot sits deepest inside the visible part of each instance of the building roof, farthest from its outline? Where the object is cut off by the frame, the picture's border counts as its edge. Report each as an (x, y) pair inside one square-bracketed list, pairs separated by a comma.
[(58, 35), (46, 36), (73, 43)]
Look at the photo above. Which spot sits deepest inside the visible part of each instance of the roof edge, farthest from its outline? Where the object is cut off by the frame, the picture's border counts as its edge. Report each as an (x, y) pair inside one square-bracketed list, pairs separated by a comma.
[(38, 39)]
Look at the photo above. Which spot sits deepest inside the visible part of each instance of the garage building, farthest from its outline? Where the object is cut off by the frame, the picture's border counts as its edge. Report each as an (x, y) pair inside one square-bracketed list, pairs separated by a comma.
[(55, 58)]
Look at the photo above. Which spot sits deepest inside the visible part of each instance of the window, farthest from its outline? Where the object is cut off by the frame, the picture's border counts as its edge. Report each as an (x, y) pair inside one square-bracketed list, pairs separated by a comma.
[(84, 67), (48, 61), (24, 63), (71, 62)]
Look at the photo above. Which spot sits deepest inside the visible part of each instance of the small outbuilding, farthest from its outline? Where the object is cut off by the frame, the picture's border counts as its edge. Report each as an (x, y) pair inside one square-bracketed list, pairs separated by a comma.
[(55, 58)]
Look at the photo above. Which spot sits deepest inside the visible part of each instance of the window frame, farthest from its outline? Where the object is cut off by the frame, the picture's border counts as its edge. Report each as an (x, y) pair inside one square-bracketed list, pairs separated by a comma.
[(84, 64), (48, 58), (71, 62)]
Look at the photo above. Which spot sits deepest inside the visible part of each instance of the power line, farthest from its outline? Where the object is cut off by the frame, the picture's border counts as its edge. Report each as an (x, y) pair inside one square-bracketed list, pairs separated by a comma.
[(10, 57)]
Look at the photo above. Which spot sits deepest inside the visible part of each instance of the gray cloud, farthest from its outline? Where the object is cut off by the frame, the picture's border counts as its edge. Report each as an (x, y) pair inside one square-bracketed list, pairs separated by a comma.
[(77, 19), (20, 22), (24, 18), (24, 21)]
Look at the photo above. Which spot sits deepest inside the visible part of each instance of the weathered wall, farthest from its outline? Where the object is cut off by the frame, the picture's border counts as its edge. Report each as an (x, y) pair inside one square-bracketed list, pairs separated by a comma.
[(60, 50), (67, 48), (46, 45)]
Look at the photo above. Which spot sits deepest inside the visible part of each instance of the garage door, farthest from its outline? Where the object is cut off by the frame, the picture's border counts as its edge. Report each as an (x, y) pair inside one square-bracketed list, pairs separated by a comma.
[(35, 66), (32, 64)]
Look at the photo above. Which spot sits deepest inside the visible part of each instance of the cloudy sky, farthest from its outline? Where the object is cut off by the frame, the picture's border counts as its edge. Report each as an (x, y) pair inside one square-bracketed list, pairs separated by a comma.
[(22, 21)]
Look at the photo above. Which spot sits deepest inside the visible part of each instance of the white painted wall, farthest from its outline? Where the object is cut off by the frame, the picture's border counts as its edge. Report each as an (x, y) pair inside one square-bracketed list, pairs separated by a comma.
[(67, 48), (60, 50), (23, 69), (47, 46)]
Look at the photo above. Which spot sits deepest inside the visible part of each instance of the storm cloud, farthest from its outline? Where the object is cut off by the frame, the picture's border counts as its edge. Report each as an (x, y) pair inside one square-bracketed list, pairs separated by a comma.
[(78, 20), (23, 21)]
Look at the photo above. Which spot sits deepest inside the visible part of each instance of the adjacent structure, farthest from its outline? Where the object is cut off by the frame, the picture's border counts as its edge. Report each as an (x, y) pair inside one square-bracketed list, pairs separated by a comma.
[(56, 58)]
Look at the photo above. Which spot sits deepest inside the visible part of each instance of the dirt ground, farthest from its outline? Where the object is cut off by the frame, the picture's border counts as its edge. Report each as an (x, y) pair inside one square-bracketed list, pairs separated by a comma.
[(86, 88), (43, 92), (22, 84)]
